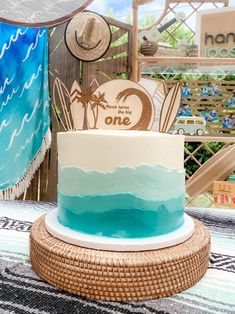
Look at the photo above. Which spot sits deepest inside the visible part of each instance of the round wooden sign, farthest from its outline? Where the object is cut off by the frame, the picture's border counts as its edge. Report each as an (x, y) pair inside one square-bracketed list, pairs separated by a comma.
[(122, 105), (40, 13)]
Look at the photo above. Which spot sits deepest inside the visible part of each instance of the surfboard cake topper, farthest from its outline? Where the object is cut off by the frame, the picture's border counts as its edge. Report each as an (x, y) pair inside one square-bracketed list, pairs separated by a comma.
[(170, 108), (117, 104)]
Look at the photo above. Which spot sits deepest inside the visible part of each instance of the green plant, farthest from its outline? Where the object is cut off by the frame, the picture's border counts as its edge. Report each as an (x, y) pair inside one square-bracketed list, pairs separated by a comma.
[(175, 33), (202, 154)]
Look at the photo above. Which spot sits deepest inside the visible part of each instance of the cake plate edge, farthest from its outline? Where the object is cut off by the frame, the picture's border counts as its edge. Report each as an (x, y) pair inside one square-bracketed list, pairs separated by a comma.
[(70, 236)]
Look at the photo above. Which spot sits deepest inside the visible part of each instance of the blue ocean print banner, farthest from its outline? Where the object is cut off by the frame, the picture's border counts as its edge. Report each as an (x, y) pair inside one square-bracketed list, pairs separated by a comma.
[(24, 106)]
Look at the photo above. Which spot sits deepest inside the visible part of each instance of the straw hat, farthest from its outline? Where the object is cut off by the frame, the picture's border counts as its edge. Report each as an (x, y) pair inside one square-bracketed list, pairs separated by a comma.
[(88, 36)]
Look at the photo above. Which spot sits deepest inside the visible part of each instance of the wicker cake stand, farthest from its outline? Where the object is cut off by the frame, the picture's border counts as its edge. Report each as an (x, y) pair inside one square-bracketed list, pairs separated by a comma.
[(118, 276)]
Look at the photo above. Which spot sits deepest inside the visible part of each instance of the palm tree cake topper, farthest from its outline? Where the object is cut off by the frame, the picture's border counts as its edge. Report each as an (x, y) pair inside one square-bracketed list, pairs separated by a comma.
[(117, 104)]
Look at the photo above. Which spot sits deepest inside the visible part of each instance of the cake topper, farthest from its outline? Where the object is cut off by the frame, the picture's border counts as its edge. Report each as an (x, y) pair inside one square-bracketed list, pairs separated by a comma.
[(170, 108), (117, 104)]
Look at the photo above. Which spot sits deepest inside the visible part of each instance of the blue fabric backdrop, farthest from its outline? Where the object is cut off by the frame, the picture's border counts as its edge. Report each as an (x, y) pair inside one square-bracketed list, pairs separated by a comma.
[(24, 105)]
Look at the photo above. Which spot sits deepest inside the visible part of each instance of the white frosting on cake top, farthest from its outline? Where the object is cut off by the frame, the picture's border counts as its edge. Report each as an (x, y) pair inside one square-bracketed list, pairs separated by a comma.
[(107, 150)]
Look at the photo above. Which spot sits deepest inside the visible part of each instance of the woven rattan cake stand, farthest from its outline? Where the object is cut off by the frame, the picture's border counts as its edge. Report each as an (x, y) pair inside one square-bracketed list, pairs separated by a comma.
[(119, 276)]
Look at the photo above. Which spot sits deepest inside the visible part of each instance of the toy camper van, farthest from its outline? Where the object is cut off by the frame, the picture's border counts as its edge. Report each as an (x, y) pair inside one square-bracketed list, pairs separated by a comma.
[(190, 125)]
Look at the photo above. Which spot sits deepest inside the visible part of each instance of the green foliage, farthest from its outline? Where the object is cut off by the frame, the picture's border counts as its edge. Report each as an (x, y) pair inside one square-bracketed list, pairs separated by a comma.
[(202, 155), (147, 20), (179, 32)]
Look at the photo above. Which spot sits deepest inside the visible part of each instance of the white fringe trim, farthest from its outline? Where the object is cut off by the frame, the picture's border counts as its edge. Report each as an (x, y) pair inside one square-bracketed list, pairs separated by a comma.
[(19, 188)]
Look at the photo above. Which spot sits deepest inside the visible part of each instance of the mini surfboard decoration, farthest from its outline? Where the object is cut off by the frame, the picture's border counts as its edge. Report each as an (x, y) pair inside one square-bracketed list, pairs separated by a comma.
[(217, 168), (60, 95), (170, 108), (77, 111), (158, 90), (165, 87), (117, 104)]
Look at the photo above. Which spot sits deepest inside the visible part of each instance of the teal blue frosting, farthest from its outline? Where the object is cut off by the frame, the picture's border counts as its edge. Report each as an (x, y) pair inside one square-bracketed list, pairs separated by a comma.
[(145, 182), (136, 202), (121, 215)]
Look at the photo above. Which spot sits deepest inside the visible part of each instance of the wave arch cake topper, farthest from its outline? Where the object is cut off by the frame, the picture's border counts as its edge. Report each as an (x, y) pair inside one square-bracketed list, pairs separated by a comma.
[(117, 104)]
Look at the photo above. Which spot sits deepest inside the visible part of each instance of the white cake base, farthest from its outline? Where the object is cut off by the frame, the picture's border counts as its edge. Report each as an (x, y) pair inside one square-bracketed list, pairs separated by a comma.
[(111, 244)]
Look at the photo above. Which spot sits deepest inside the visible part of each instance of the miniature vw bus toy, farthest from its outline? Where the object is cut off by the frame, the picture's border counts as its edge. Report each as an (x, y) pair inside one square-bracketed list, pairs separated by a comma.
[(190, 125)]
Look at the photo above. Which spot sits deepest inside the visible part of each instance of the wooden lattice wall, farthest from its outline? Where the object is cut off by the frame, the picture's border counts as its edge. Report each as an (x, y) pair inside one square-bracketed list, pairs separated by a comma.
[(191, 7), (200, 105), (196, 153)]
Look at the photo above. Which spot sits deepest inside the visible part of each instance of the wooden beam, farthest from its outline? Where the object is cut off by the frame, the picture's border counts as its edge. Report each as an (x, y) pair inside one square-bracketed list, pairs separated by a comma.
[(116, 51), (118, 34), (119, 24), (141, 2), (134, 65), (198, 1), (206, 139), (215, 61)]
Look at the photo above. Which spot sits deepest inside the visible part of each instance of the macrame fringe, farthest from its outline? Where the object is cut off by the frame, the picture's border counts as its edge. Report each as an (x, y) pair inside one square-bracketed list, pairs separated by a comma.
[(15, 191)]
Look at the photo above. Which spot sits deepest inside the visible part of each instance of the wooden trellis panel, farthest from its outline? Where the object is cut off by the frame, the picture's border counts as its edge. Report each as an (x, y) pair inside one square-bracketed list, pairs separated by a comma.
[(196, 154), (189, 6), (199, 104)]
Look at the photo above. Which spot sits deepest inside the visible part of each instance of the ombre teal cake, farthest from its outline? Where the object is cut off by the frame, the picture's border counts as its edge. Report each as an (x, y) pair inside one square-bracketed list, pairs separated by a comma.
[(121, 184)]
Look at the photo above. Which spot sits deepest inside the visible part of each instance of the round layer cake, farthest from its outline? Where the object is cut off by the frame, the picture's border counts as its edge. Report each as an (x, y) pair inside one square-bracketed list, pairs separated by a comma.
[(121, 184)]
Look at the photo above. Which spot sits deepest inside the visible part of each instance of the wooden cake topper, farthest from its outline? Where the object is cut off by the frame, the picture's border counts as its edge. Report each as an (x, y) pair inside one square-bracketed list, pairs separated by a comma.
[(117, 104), (170, 108)]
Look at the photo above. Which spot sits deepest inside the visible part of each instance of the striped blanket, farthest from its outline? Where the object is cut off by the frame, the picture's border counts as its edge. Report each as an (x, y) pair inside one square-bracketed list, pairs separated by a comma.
[(22, 291)]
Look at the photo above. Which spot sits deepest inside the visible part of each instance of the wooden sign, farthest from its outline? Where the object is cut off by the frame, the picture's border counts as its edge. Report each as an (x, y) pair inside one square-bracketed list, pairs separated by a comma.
[(215, 33), (117, 104), (224, 194)]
